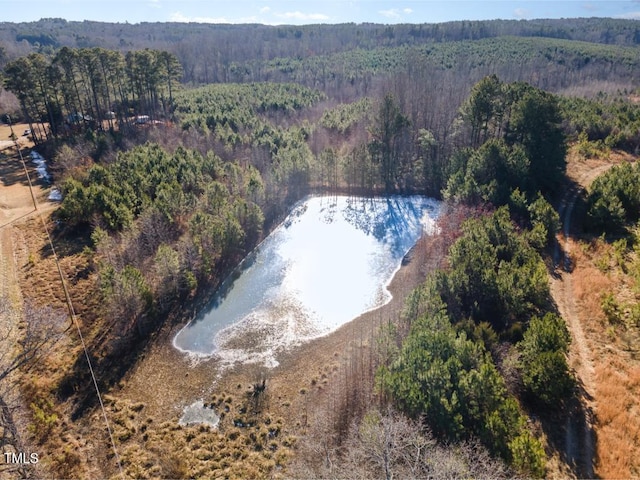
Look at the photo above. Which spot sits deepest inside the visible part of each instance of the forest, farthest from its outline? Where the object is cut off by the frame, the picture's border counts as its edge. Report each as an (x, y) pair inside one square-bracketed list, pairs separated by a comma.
[(178, 148)]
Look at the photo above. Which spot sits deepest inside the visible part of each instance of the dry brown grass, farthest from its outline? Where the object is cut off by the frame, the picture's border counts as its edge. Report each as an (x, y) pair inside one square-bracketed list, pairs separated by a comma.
[(617, 369), (589, 281), (618, 424), (39, 275), (62, 445), (578, 167), (168, 450)]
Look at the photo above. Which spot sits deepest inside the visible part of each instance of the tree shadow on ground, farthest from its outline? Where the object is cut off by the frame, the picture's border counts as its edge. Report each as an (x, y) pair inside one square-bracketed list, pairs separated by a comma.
[(12, 170), (570, 432), (67, 242)]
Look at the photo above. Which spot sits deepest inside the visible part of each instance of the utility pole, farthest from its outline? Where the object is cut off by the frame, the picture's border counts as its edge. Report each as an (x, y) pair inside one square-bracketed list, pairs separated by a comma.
[(13, 135)]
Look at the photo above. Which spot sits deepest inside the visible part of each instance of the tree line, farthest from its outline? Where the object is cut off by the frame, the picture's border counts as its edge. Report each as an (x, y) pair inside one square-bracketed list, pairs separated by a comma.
[(211, 52), (521, 143), (91, 88), (605, 121)]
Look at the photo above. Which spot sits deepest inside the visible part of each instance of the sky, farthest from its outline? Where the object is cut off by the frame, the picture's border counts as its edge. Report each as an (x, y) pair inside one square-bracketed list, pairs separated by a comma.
[(299, 12)]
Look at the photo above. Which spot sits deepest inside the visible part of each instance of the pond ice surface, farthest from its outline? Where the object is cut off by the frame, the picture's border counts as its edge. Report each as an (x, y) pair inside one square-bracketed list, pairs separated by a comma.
[(328, 262)]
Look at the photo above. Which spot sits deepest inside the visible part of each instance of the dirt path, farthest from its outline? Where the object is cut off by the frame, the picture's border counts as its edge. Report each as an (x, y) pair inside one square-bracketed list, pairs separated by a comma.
[(9, 290), (11, 297), (580, 448), (16, 204), (562, 285)]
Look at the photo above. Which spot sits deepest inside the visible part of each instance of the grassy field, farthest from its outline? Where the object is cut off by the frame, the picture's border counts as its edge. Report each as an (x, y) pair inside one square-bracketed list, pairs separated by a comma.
[(616, 359)]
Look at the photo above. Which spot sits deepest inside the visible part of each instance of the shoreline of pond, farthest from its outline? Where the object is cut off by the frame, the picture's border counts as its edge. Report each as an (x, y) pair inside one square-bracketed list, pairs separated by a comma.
[(369, 237), (167, 381)]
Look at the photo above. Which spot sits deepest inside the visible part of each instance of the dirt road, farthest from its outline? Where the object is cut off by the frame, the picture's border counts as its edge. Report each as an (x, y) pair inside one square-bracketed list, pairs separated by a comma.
[(16, 204), (580, 448)]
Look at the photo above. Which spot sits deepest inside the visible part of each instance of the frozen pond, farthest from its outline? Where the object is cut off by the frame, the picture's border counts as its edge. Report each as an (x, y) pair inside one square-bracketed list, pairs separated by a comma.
[(327, 263)]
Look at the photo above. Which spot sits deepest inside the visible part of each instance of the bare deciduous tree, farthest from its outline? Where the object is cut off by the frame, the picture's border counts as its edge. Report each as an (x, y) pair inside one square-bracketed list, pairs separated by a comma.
[(23, 344), (40, 330), (389, 445)]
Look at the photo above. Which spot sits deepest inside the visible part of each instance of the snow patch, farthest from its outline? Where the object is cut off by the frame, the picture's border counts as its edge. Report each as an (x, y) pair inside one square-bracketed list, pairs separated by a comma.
[(197, 413), (41, 166), (55, 195)]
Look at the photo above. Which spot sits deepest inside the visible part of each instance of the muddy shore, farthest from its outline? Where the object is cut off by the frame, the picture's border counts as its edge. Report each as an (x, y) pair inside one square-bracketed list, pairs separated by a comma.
[(166, 380)]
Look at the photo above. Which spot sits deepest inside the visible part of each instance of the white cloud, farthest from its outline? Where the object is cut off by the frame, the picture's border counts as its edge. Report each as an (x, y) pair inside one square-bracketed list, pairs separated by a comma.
[(395, 13), (303, 16), (391, 13), (265, 9), (154, 4), (521, 13), (629, 16), (181, 18)]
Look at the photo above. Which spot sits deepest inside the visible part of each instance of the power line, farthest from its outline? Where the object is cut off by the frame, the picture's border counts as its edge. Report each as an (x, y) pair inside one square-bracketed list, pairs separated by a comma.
[(72, 313)]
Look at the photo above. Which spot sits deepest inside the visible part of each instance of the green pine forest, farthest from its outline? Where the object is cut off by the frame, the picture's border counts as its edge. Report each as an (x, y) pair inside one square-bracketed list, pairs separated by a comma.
[(178, 148)]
